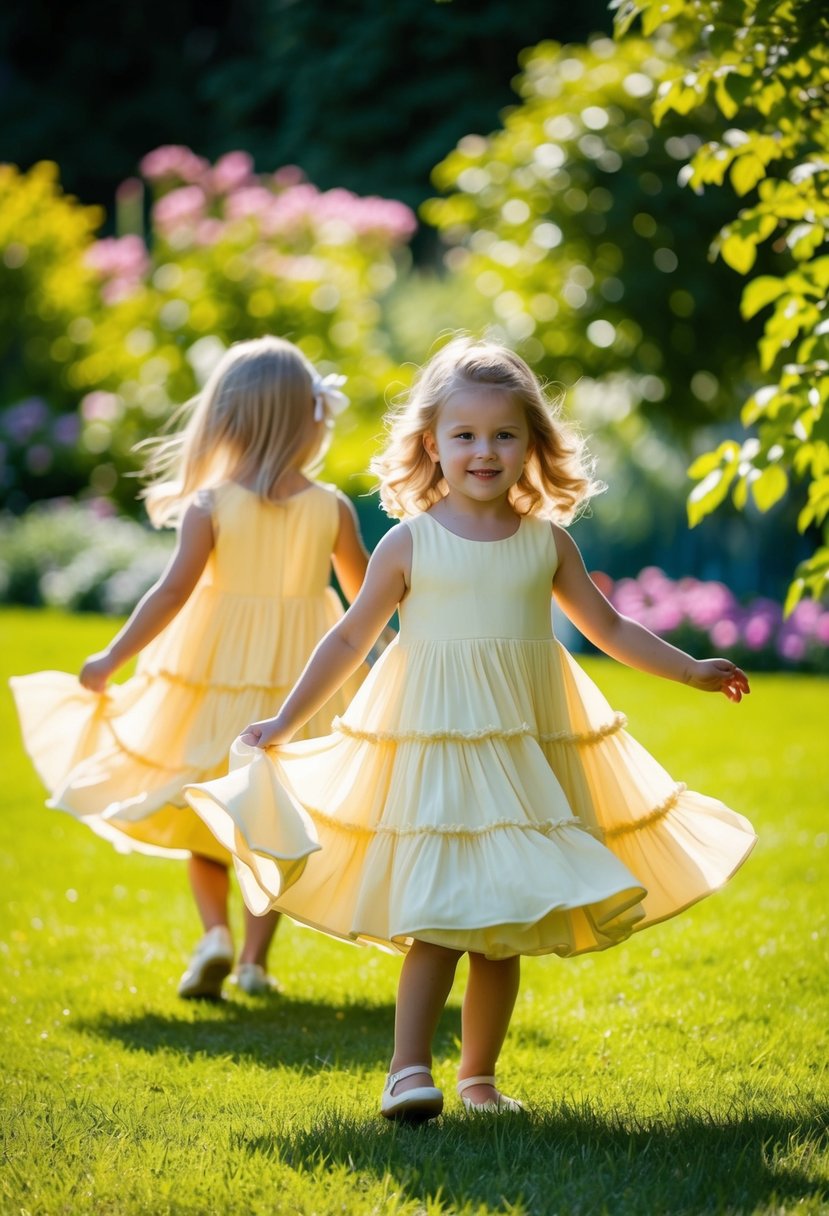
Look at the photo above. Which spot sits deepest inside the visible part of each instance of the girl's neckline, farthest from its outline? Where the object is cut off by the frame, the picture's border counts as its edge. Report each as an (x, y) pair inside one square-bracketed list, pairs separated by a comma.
[(274, 501), (471, 540)]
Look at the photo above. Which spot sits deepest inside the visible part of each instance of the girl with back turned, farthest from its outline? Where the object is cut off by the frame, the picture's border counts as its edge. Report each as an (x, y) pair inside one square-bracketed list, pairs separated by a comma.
[(221, 636)]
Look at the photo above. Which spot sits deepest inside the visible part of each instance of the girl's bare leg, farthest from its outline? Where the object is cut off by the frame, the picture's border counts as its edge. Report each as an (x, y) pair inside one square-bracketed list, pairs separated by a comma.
[(425, 983), (210, 884), (487, 1009), (259, 931), (213, 956)]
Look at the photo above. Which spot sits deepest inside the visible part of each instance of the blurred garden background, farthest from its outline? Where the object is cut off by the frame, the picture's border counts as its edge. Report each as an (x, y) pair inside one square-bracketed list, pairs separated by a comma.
[(641, 211), (636, 198)]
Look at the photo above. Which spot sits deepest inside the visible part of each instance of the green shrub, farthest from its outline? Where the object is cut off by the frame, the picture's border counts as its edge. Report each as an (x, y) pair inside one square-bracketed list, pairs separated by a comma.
[(65, 555)]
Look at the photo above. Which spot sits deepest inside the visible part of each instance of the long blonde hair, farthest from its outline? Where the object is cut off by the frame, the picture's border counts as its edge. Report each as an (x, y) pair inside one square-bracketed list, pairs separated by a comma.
[(557, 477), (252, 422)]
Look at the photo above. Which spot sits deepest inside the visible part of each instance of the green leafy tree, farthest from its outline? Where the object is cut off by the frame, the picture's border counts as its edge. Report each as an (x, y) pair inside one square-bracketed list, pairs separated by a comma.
[(570, 223), (764, 65)]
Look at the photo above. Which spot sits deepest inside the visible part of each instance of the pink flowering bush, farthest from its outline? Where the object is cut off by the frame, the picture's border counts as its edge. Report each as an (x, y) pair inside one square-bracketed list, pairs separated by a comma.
[(121, 264), (119, 330), (706, 618), (233, 254)]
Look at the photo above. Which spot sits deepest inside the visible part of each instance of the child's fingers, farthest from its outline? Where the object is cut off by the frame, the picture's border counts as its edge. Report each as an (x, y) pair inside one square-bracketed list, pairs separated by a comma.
[(735, 681)]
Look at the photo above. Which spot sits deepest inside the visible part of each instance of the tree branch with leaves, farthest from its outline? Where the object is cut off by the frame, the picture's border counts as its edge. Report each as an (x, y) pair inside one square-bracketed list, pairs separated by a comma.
[(765, 66)]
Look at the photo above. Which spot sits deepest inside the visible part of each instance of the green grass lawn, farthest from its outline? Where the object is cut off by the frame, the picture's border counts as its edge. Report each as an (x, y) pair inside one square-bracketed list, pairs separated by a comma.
[(683, 1072)]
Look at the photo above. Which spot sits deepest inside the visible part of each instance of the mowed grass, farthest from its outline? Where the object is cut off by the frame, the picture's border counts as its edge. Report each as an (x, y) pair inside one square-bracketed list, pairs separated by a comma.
[(683, 1072)]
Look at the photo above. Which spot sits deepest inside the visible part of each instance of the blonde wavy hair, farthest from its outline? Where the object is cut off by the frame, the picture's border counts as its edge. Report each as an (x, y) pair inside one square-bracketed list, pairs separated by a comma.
[(252, 422), (557, 478)]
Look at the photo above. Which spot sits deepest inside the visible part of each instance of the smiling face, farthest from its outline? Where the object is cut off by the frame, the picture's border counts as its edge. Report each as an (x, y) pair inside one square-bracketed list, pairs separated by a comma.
[(481, 440)]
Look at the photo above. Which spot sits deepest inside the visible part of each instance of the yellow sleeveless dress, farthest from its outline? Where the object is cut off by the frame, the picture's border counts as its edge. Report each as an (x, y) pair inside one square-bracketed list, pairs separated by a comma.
[(478, 792), (118, 760)]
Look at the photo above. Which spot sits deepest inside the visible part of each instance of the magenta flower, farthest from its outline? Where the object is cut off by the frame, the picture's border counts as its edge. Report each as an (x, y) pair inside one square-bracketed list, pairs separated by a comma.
[(805, 617), (725, 634), (181, 208), (251, 200), (628, 598), (231, 172), (666, 616), (122, 263), (174, 162), (367, 215), (757, 632), (288, 175), (791, 647), (707, 603), (291, 211), (209, 231), (675, 609)]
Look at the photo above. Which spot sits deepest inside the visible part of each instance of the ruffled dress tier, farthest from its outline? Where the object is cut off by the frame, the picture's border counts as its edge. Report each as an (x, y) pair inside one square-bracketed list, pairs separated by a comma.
[(119, 760), (478, 793)]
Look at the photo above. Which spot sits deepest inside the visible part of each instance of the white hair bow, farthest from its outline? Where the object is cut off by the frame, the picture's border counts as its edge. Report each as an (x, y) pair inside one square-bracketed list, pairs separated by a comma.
[(328, 400)]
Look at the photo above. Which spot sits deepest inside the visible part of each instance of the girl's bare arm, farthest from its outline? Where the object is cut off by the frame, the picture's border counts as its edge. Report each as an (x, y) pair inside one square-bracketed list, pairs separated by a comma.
[(349, 558), (344, 647), (160, 604), (627, 640)]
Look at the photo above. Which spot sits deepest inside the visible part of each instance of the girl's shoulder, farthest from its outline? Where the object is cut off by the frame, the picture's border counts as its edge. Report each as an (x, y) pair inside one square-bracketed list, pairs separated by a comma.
[(313, 491)]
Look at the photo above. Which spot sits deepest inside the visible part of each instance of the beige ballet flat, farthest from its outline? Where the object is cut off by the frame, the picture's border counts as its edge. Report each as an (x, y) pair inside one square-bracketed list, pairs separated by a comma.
[(500, 1106), (414, 1105), (209, 965), (254, 980)]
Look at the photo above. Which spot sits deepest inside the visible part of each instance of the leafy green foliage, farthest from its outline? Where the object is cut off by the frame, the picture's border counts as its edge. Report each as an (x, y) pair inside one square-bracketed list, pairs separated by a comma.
[(45, 283), (46, 288), (569, 223), (765, 66)]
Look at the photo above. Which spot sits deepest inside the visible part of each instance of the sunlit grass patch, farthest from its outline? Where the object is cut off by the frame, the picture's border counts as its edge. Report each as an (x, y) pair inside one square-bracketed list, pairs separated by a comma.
[(683, 1072)]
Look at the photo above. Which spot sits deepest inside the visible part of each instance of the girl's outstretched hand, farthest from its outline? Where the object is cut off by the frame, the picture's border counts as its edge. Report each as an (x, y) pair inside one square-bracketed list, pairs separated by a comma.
[(269, 733), (719, 675), (96, 671)]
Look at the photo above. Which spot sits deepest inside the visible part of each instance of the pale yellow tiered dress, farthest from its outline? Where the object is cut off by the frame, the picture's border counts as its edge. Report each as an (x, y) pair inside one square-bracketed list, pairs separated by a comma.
[(118, 760), (478, 793)]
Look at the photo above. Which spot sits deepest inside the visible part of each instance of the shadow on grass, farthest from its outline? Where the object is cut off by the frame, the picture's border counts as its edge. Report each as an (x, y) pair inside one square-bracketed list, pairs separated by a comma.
[(279, 1031), (577, 1160)]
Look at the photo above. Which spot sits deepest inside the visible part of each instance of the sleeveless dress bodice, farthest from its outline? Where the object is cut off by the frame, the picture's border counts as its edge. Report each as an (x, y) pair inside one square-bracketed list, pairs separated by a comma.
[(465, 590)]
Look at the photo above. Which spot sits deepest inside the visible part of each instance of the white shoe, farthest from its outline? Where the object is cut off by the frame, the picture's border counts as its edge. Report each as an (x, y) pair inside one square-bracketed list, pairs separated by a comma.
[(500, 1105), (209, 964), (413, 1105), (254, 980)]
